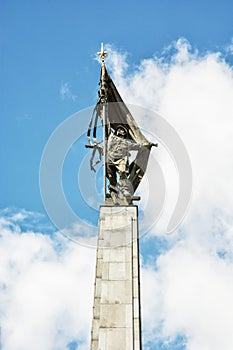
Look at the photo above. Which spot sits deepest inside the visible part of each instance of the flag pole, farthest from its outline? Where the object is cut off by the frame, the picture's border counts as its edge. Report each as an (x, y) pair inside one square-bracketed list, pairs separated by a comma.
[(103, 97)]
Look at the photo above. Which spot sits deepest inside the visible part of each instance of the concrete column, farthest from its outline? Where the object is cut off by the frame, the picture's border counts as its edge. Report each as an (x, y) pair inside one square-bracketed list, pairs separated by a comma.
[(116, 311)]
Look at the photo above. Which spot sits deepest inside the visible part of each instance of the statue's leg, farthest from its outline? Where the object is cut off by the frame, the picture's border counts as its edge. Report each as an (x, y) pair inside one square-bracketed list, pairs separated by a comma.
[(124, 183), (111, 175)]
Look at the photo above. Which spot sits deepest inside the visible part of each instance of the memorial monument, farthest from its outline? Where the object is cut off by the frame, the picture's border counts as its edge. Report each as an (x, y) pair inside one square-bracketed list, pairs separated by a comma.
[(116, 323)]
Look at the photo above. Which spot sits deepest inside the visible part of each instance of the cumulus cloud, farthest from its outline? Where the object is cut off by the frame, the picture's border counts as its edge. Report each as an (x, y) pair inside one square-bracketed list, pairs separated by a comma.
[(187, 290), (46, 289), (189, 293), (193, 91)]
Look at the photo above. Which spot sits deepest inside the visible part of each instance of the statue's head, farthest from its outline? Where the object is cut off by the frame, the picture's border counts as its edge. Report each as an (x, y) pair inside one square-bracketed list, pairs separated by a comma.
[(121, 132)]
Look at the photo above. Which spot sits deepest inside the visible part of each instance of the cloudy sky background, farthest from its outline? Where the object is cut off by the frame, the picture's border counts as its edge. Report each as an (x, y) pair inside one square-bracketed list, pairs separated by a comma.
[(177, 60)]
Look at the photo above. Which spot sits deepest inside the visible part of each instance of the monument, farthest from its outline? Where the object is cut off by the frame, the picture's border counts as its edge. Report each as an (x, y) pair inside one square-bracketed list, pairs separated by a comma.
[(116, 323)]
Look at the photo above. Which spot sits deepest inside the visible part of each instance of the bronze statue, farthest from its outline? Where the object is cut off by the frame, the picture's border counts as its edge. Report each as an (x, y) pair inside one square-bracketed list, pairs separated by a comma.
[(117, 162), (121, 135)]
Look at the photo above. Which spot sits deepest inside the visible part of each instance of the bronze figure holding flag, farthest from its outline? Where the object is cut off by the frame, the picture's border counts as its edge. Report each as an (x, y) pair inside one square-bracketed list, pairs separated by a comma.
[(121, 135)]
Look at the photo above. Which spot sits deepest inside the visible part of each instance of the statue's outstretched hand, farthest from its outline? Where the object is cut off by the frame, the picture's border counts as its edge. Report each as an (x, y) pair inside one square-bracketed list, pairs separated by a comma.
[(154, 144), (149, 145)]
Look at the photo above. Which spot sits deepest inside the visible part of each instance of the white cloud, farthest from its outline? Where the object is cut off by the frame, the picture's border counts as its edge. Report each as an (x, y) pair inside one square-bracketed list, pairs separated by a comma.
[(190, 293), (46, 290), (188, 290), (66, 93), (194, 92)]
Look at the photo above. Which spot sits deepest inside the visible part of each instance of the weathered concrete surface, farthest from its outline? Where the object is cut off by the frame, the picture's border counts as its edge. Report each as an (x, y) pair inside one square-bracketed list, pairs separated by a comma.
[(116, 311)]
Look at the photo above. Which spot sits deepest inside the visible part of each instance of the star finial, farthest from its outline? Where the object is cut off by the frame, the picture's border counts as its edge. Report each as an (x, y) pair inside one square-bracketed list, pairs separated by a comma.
[(102, 53)]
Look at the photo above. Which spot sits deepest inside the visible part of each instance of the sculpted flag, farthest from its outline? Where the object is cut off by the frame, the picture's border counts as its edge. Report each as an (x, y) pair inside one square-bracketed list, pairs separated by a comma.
[(117, 114)]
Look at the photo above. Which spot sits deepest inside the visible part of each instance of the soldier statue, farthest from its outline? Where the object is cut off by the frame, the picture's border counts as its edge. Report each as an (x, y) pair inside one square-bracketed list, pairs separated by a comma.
[(117, 162)]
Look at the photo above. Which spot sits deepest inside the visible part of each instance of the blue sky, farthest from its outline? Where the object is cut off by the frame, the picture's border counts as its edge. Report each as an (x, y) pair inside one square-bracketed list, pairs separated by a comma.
[(174, 57), (47, 43)]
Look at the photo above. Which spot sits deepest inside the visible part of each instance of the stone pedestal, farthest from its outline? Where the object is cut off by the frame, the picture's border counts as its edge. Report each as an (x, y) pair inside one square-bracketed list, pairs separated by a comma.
[(116, 311)]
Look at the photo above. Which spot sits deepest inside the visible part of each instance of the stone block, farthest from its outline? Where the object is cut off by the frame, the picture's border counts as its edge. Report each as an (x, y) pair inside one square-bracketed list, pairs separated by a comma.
[(135, 287), (99, 268), (136, 330), (112, 339), (105, 270), (96, 309), (129, 339), (116, 292), (98, 287), (94, 344), (113, 316), (95, 329), (120, 271), (136, 307), (117, 254)]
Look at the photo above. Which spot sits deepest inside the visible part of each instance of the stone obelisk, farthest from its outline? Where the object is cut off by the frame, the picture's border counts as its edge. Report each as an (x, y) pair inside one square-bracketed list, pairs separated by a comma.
[(116, 313), (116, 321)]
